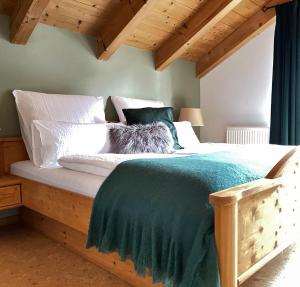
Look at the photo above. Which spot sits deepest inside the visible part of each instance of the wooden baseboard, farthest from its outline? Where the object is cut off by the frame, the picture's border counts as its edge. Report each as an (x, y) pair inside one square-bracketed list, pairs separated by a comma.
[(76, 241), (9, 220)]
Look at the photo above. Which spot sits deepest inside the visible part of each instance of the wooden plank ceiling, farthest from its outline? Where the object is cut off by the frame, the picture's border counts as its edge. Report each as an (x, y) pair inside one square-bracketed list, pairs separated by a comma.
[(202, 31)]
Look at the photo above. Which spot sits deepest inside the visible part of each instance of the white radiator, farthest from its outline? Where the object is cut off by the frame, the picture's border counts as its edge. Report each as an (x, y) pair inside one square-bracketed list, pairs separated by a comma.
[(248, 135)]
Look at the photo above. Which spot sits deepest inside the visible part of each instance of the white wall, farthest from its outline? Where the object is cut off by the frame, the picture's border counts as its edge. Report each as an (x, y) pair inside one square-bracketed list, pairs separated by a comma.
[(238, 92)]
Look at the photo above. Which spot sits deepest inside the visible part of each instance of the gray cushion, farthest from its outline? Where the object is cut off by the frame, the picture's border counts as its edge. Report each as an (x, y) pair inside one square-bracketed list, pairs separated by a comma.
[(150, 138)]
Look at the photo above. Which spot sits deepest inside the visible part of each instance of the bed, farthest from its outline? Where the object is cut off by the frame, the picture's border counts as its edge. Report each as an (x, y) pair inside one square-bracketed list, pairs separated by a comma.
[(253, 222)]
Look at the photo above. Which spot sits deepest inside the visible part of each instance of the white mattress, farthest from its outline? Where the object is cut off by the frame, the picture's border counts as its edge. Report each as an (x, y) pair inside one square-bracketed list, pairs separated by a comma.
[(86, 183), (85, 175), (78, 182)]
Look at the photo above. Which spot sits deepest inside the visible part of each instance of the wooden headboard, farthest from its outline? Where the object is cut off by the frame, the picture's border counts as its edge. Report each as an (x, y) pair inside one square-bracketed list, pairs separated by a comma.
[(11, 150)]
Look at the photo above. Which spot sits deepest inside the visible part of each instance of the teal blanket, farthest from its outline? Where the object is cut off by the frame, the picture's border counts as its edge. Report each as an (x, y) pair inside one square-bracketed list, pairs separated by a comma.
[(156, 212)]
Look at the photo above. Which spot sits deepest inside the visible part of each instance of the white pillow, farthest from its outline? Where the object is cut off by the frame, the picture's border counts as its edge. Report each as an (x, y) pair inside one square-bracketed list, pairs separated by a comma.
[(52, 140), (121, 103), (66, 108), (186, 135), (109, 146)]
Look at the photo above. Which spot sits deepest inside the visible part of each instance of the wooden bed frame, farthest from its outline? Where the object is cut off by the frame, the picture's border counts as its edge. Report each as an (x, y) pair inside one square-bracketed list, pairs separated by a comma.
[(253, 222)]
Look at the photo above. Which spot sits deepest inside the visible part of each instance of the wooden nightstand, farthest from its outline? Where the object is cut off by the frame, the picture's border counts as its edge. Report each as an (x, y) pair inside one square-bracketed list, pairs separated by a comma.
[(10, 192)]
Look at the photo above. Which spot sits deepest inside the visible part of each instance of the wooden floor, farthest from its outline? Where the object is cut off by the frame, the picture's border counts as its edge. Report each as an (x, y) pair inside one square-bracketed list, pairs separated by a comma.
[(27, 258)]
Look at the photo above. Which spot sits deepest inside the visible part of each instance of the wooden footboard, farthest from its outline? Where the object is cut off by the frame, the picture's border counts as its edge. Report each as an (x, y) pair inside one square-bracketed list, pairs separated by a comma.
[(256, 221)]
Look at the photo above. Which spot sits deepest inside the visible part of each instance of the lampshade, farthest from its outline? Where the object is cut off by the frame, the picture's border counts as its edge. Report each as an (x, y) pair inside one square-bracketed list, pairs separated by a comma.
[(192, 115)]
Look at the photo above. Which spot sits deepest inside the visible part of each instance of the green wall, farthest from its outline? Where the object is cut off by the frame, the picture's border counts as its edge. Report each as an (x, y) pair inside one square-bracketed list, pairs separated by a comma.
[(58, 61)]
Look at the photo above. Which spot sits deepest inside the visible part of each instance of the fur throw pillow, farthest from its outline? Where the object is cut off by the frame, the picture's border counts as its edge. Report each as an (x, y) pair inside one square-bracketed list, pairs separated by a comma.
[(150, 138)]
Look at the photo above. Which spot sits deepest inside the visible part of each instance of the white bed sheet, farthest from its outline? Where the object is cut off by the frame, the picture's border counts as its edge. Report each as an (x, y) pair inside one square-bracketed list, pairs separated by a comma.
[(84, 180), (78, 182), (86, 183)]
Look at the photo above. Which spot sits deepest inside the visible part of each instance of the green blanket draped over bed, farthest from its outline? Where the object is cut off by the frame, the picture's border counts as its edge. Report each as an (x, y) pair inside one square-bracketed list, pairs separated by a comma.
[(156, 212)]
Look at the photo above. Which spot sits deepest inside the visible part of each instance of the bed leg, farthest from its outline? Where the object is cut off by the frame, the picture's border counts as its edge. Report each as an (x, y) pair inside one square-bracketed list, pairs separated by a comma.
[(226, 235)]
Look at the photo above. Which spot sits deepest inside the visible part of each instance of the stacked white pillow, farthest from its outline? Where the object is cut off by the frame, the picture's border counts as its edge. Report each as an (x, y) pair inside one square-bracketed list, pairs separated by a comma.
[(51, 140), (55, 125), (52, 107), (121, 103)]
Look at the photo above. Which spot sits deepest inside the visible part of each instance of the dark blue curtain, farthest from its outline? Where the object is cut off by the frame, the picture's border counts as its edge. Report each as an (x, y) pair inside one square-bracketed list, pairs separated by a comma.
[(285, 114)]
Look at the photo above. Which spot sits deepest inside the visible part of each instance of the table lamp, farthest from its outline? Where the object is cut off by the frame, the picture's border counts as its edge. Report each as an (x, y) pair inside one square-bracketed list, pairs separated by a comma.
[(192, 115)]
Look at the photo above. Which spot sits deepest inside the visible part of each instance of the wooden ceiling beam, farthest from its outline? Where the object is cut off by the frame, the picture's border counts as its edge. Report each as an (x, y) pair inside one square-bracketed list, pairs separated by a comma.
[(122, 24), (203, 20), (24, 19), (247, 31), (273, 3)]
